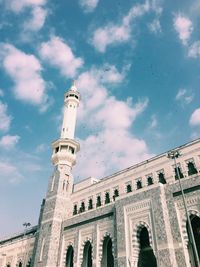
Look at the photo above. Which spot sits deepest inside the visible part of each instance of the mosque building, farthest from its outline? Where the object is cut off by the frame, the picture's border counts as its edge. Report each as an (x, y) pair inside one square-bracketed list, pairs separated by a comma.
[(147, 215)]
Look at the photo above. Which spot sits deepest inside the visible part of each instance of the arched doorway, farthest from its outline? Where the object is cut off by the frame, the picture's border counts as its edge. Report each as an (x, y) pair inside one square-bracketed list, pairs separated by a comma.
[(70, 257), (107, 257), (87, 255), (20, 264), (195, 223), (146, 254)]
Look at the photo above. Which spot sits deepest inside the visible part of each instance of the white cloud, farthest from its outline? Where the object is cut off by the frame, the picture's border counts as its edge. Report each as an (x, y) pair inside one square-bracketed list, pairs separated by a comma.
[(110, 145), (37, 10), (155, 26), (10, 173), (195, 117), (180, 94), (156, 6), (92, 91), (5, 119), (88, 5), (37, 20), (92, 85), (109, 151), (109, 74), (25, 71), (59, 54), (184, 28), (12, 170), (18, 5), (112, 34), (153, 122), (9, 141), (194, 50), (195, 135), (41, 148), (184, 96), (125, 112)]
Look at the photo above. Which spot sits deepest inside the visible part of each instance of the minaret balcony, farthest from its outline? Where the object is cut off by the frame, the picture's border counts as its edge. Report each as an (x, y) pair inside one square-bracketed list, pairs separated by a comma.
[(72, 96), (64, 151)]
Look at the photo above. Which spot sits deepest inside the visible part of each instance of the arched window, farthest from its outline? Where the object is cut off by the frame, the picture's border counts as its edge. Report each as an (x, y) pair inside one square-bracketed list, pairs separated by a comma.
[(107, 198), (161, 178), (178, 170), (195, 223), (75, 210), (90, 204), (149, 180), (87, 255), (191, 168), (116, 194), (107, 256), (20, 264), (70, 257), (128, 188), (139, 184), (98, 201), (82, 207), (146, 254), (8, 265)]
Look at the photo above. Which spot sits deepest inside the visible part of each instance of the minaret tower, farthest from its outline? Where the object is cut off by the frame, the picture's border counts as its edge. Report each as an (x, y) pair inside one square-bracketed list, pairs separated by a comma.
[(58, 202)]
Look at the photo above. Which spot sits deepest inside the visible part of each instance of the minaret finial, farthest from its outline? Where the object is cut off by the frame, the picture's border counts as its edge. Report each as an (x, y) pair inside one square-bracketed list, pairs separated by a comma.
[(73, 87)]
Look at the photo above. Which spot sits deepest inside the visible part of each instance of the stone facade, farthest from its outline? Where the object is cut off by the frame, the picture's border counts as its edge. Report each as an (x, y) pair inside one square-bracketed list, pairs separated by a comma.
[(158, 207), (18, 249), (135, 210)]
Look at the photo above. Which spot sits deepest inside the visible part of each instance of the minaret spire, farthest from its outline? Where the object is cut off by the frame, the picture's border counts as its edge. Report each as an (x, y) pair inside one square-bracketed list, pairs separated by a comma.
[(65, 148), (71, 100), (58, 204)]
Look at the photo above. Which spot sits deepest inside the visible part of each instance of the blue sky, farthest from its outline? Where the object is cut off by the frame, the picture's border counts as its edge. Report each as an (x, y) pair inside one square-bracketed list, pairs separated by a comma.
[(136, 64)]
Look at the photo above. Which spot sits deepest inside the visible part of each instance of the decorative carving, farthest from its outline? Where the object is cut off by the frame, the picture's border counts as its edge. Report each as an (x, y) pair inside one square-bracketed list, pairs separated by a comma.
[(82, 248), (184, 225), (101, 244), (139, 206)]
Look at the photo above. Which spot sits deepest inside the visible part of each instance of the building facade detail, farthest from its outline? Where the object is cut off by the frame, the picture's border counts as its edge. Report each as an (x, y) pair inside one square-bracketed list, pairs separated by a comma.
[(118, 221)]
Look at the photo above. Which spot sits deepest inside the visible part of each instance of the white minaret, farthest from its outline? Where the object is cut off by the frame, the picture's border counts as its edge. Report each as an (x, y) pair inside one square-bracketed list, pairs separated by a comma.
[(58, 205), (65, 148), (72, 98)]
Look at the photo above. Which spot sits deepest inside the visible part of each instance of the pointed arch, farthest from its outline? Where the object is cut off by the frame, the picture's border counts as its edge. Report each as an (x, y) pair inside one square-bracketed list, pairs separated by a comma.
[(195, 223), (191, 168), (107, 253), (82, 248), (105, 235), (146, 257), (136, 232), (69, 260), (184, 225), (136, 240), (87, 255)]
